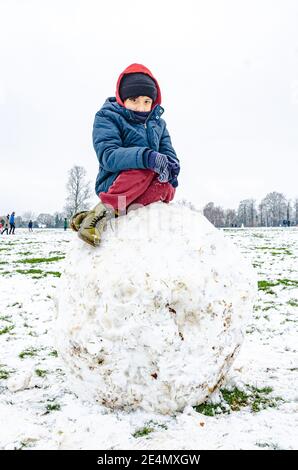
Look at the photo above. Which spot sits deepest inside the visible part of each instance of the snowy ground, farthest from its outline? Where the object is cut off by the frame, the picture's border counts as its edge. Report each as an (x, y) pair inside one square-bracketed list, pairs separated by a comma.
[(256, 408)]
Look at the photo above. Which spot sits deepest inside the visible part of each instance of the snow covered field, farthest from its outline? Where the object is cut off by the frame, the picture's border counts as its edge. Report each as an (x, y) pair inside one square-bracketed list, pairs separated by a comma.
[(255, 409)]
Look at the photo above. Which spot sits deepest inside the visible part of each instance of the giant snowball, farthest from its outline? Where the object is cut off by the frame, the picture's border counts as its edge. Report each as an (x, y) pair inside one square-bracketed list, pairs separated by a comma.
[(154, 316)]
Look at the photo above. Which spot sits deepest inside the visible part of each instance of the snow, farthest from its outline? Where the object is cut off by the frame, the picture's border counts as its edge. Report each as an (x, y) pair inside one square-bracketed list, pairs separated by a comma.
[(154, 317), (41, 410)]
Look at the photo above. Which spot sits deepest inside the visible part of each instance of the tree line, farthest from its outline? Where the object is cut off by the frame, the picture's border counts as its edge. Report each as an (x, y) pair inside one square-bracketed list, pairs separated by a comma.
[(274, 210)]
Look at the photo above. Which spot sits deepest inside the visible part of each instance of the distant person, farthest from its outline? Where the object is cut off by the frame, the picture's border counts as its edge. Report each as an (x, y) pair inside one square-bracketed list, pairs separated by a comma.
[(12, 223), (30, 225), (5, 225), (65, 224)]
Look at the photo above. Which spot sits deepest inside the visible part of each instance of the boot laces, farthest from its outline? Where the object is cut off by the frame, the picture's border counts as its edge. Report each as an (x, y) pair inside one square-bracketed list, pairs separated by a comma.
[(109, 214), (96, 219)]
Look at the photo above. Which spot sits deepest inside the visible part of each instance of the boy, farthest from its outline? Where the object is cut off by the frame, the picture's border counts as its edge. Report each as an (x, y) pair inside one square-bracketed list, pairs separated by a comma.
[(137, 162)]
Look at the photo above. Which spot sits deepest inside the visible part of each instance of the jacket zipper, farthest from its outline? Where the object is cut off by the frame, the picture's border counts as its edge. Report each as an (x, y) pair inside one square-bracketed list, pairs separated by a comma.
[(145, 124)]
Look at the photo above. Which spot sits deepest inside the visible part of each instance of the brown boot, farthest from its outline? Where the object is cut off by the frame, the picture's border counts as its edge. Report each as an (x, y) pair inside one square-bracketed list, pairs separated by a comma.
[(93, 225), (77, 219)]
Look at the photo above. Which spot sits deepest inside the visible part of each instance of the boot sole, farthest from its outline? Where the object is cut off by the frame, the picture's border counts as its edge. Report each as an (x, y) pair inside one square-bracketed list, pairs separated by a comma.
[(86, 240)]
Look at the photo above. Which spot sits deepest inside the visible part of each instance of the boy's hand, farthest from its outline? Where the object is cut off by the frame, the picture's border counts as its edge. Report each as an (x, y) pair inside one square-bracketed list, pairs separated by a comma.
[(175, 172), (174, 182), (165, 166)]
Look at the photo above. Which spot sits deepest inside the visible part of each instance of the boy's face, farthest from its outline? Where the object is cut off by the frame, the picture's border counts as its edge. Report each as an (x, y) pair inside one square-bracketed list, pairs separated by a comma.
[(139, 103)]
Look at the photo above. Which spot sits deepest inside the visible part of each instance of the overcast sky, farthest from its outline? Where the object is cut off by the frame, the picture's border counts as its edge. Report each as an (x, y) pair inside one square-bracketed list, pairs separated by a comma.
[(228, 72)]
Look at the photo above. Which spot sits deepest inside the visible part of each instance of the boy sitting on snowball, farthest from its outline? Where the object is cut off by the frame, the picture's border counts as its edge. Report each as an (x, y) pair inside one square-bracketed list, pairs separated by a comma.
[(137, 162)]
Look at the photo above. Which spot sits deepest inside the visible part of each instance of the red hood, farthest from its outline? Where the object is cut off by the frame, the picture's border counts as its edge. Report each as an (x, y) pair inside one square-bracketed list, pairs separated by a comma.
[(133, 68)]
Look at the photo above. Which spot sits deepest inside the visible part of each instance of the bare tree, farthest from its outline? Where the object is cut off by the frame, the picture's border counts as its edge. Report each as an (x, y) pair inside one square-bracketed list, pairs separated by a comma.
[(46, 219), (247, 213), (28, 215), (230, 218), (290, 214), (78, 190), (215, 214), (208, 212), (262, 215), (275, 205), (59, 219), (296, 211)]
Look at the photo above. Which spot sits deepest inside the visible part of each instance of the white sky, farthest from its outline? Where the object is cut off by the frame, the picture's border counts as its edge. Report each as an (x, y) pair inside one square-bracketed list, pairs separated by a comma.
[(228, 72)]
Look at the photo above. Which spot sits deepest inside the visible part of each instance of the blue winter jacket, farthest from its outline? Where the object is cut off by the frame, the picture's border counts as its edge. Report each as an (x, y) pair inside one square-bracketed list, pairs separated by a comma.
[(122, 142), (11, 219)]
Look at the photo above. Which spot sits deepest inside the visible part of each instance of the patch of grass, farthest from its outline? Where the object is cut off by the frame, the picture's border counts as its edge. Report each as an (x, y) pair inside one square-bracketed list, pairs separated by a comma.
[(271, 306), (257, 265), (277, 251), (29, 352), (31, 243), (288, 282), (281, 251), (7, 329), (261, 400), (235, 398), (6, 318), (4, 374), (40, 260), (251, 329), (256, 399), (209, 409), (39, 272), (156, 425), (53, 353), (266, 285), (32, 333), (52, 407), (29, 271), (41, 372), (268, 445), (26, 443), (54, 273), (293, 302), (143, 432), (288, 320)]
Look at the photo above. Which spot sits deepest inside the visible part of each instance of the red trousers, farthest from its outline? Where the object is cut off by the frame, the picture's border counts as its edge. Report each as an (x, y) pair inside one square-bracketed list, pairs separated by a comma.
[(137, 187)]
